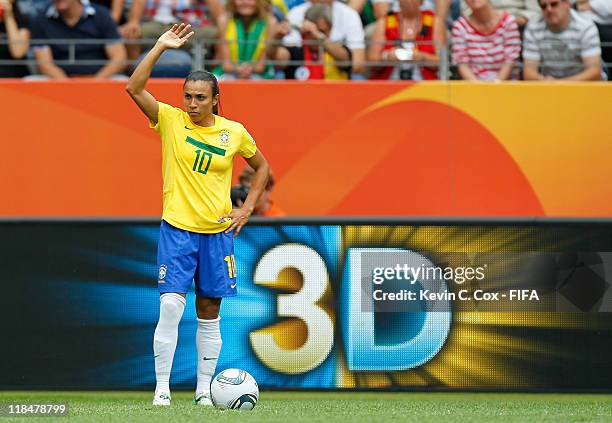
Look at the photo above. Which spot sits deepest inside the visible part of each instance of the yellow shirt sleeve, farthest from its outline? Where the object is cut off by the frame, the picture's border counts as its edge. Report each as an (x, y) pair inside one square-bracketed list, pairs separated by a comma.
[(165, 114), (247, 148)]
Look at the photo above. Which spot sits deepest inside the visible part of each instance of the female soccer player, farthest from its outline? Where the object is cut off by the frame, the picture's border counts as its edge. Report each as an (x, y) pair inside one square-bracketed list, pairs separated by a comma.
[(195, 240)]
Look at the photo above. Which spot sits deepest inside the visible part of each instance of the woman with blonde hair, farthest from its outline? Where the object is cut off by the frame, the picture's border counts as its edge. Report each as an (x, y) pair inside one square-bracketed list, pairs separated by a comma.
[(243, 34)]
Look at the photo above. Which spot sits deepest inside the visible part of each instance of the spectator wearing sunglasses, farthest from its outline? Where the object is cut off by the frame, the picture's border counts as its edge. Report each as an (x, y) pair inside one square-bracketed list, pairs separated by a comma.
[(561, 44)]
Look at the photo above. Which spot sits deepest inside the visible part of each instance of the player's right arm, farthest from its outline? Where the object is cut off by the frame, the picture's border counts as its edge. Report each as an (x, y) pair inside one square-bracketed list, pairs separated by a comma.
[(174, 38)]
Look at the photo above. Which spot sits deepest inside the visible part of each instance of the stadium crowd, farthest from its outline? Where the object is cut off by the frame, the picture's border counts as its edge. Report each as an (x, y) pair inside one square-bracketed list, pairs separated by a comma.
[(317, 39)]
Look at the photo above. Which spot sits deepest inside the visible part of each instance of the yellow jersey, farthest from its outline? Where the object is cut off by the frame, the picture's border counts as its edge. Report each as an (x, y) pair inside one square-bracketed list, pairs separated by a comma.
[(197, 167)]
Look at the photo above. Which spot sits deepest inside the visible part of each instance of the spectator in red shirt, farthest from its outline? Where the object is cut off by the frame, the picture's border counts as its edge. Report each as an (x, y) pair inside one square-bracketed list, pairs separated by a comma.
[(405, 38), (486, 44)]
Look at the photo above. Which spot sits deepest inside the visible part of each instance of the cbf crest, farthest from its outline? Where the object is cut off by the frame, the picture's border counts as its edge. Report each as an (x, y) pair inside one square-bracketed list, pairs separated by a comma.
[(162, 273), (224, 137)]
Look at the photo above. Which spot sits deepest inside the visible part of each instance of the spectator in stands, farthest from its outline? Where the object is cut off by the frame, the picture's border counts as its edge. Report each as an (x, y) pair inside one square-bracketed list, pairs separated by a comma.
[(265, 206), (522, 10), (600, 11), (346, 29), (243, 35), (405, 38), (13, 29), (240, 191), (69, 19), (202, 15), (486, 43), (322, 58), (562, 44), (440, 8)]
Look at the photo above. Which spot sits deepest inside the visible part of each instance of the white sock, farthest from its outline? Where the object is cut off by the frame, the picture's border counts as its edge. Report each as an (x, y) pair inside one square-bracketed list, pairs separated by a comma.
[(171, 307), (208, 341)]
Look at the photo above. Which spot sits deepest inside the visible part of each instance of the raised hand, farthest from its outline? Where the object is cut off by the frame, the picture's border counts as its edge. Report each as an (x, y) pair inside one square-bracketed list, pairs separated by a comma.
[(176, 37)]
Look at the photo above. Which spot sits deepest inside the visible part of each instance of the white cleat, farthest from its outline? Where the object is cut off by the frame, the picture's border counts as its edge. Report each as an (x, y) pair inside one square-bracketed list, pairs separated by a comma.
[(162, 398), (203, 400)]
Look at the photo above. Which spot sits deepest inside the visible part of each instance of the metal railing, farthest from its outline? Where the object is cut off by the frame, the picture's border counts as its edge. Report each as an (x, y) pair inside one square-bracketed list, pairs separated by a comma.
[(199, 48)]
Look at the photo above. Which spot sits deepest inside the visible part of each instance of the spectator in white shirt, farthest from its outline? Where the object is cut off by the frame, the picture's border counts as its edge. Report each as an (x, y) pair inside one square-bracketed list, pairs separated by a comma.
[(561, 44), (346, 29)]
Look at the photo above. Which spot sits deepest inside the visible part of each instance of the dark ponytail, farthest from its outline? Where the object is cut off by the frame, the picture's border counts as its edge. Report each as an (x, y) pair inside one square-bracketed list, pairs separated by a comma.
[(202, 75)]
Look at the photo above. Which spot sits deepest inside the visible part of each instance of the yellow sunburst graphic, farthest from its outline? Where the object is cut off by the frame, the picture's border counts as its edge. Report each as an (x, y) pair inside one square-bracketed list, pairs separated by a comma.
[(484, 349)]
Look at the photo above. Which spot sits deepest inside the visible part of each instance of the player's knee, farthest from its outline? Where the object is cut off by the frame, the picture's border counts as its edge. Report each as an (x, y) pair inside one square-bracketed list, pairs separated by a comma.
[(208, 308), (171, 307), (208, 313)]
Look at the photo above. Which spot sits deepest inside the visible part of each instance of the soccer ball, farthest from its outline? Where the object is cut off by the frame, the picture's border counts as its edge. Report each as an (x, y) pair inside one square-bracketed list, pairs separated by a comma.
[(234, 388)]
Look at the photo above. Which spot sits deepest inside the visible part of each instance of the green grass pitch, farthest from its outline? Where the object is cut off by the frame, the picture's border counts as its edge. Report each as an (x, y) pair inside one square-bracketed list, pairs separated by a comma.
[(328, 407)]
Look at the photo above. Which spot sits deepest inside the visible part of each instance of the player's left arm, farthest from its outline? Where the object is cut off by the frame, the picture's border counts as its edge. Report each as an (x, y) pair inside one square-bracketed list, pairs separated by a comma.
[(240, 216)]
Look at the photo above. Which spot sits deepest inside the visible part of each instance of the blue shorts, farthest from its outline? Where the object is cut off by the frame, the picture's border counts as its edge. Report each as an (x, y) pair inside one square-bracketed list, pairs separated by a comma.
[(207, 259)]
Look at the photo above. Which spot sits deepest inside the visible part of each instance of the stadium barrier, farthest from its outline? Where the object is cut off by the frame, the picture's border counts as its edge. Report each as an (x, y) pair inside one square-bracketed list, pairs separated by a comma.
[(199, 59), (323, 304), (83, 149)]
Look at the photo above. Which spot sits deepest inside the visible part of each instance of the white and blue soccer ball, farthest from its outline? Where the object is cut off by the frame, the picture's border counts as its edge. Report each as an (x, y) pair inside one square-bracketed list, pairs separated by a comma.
[(235, 389)]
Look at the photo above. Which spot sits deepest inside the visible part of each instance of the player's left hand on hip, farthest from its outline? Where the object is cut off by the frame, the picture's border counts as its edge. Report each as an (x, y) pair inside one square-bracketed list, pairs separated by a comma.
[(239, 218)]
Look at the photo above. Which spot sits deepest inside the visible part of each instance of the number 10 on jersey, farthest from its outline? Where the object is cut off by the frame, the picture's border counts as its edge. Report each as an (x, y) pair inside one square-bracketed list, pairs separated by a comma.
[(198, 163)]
